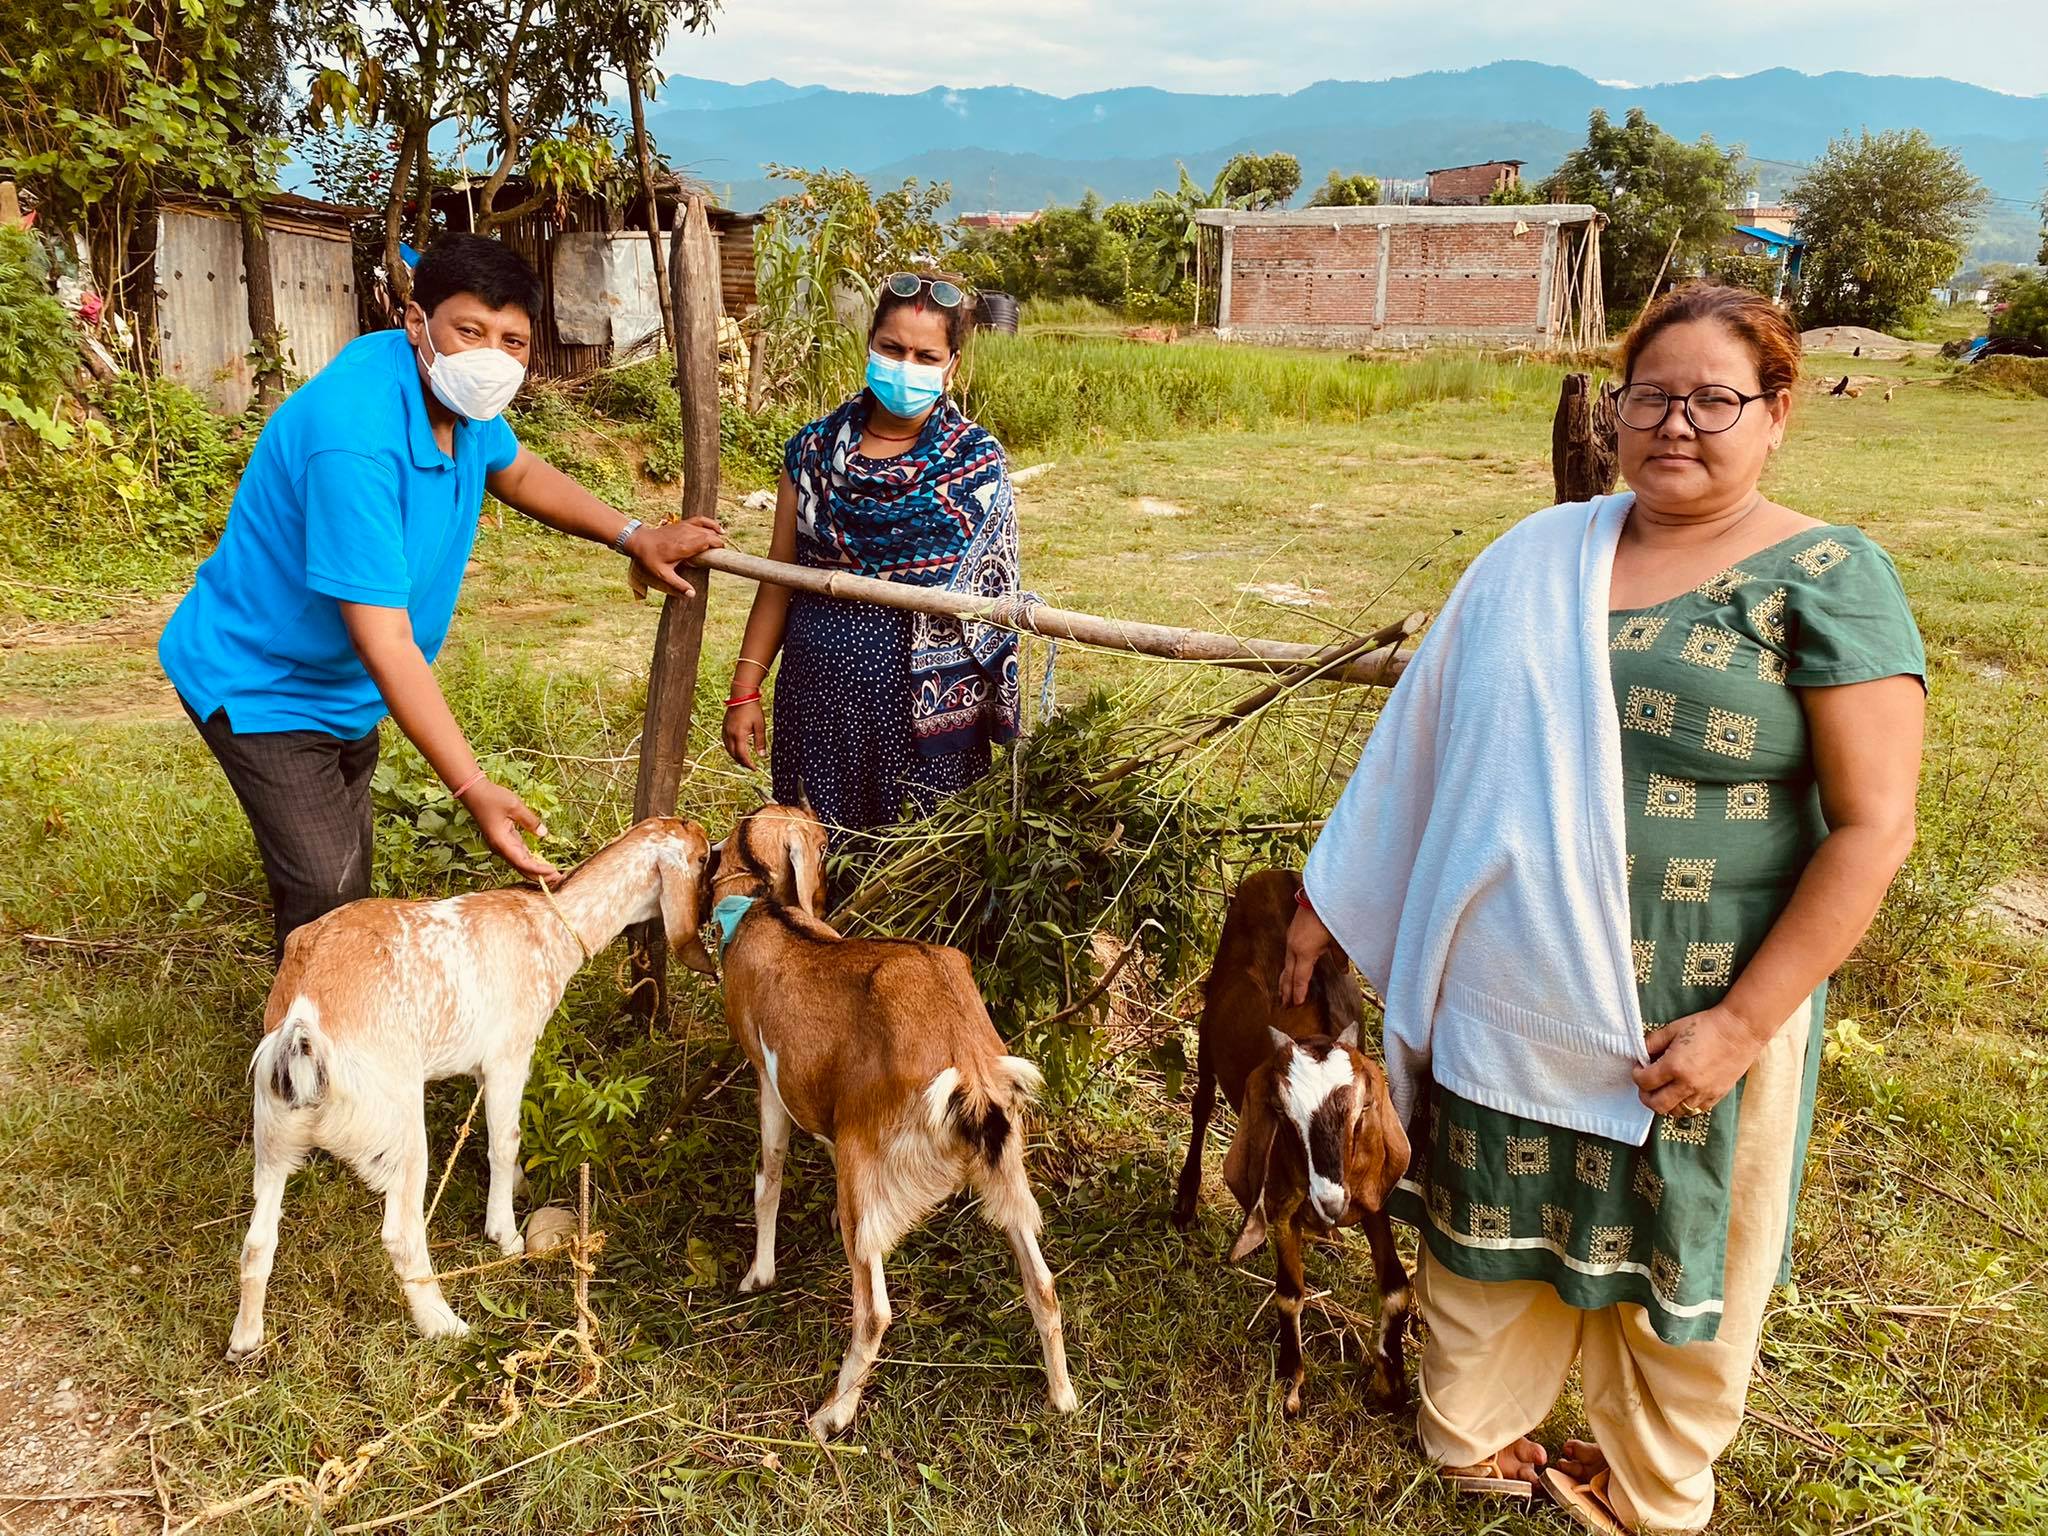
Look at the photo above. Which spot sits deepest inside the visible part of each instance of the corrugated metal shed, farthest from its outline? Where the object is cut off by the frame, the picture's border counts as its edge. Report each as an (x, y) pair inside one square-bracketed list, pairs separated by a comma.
[(203, 338), (596, 225)]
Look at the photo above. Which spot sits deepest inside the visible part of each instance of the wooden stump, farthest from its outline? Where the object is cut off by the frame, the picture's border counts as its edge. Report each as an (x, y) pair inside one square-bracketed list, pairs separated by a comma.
[(679, 640), (1583, 452)]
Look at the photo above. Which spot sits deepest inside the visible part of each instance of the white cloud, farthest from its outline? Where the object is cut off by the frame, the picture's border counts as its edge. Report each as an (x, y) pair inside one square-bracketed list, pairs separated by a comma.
[(1071, 46)]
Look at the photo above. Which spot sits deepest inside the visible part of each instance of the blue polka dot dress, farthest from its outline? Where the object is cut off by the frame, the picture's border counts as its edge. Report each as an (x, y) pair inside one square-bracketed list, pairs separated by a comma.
[(842, 718)]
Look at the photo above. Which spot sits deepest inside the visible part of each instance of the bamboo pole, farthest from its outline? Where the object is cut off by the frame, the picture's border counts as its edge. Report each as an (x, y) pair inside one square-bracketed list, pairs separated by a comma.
[(1166, 641), (679, 639)]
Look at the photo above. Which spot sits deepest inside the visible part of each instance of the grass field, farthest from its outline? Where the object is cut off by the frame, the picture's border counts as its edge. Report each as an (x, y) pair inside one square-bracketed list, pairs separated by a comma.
[(1904, 1382)]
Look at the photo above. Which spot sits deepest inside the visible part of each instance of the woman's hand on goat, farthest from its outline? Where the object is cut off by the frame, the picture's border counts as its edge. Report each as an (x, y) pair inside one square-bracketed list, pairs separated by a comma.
[(503, 818), (1307, 938), (1696, 1060)]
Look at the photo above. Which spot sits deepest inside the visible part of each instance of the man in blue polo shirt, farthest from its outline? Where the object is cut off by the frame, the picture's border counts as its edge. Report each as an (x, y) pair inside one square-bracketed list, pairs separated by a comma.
[(332, 588)]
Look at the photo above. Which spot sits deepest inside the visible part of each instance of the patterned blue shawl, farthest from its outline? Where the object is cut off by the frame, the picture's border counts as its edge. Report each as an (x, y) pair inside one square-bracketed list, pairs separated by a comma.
[(940, 515)]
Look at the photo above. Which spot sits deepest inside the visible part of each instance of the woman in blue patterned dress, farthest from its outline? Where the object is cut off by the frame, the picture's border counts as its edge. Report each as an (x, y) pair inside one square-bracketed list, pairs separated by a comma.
[(877, 709)]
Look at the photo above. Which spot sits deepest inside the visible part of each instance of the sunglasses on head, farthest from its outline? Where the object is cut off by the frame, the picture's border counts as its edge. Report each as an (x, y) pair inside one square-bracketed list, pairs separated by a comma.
[(908, 285)]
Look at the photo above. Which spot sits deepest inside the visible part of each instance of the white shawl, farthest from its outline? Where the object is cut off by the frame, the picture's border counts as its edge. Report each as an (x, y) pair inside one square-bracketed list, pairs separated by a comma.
[(1475, 867)]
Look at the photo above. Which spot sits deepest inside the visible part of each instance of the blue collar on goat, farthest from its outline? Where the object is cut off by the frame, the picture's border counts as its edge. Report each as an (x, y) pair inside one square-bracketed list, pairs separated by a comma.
[(727, 912)]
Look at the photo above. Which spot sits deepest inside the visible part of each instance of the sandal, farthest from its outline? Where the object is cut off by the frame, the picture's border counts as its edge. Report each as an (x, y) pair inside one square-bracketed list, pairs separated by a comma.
[(1485, 1481), (1587, 1503)]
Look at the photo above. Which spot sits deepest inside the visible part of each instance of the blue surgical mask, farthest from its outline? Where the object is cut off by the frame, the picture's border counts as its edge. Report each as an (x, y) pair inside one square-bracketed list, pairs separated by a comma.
[(905, 388)]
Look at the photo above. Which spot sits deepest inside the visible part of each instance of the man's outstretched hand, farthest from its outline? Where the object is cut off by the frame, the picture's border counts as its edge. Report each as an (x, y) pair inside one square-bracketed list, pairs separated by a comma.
[(503, 817), (658, 549)]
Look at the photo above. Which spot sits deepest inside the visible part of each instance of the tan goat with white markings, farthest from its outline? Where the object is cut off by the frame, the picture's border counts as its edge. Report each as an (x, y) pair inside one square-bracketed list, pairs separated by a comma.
[(883, 1048), (379, 998)]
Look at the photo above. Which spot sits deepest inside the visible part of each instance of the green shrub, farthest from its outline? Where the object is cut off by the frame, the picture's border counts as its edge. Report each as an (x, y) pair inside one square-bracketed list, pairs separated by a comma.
[(636, 392), (2022, 313), (38, 348), (142, 487)]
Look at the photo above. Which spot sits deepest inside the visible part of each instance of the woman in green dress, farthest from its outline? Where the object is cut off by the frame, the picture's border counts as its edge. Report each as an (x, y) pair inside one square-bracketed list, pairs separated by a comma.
[(1768, 689)]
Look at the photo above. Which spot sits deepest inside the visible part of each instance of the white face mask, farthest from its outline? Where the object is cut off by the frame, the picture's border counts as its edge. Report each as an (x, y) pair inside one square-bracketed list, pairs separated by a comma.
[(478, 384)]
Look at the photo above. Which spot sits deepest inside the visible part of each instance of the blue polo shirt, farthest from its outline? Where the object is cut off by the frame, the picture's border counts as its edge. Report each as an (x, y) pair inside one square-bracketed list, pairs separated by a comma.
[(347, 498)]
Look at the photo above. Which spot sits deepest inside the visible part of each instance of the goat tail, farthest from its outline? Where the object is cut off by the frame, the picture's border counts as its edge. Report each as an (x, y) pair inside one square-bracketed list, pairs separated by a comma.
[(290, 1064), (981, 1114)]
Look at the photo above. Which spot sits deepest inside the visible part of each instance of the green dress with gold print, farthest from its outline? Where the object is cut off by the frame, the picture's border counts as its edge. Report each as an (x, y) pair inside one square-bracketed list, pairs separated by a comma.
[(1722, 816)]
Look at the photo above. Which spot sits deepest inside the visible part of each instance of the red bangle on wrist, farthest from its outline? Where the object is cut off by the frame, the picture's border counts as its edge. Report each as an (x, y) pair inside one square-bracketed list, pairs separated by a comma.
[(744, 698), (1301, 900), (468, 784)]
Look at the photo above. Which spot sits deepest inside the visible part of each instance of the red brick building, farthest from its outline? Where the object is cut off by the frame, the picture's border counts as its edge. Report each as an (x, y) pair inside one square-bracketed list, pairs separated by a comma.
[(1389, 276), (1463, 184)]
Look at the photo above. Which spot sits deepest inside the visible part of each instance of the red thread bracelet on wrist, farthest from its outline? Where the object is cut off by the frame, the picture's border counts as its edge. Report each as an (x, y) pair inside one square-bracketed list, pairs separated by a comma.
[(468, 784)]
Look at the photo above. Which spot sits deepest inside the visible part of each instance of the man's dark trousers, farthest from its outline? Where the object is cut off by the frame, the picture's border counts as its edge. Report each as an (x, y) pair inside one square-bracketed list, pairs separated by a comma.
[(307, 797)]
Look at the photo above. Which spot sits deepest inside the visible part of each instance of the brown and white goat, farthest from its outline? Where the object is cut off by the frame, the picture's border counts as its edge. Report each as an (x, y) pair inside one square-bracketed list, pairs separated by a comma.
[(883, 1049), (1318, 1144), (379, 998)]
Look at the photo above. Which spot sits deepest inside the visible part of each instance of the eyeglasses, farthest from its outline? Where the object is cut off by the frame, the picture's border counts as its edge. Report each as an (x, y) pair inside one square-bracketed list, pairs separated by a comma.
[(1710, 408), (908, 285)]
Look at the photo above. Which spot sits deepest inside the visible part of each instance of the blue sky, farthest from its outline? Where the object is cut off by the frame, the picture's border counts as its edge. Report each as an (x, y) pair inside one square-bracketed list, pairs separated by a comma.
[(1071, 46)]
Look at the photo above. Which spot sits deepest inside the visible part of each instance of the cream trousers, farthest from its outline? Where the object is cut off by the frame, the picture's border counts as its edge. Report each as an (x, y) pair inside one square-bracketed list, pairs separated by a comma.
[(1498, 1351)]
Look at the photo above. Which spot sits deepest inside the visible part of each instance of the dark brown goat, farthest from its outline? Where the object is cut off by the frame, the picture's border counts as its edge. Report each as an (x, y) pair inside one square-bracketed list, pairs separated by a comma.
[(1318, 1145)]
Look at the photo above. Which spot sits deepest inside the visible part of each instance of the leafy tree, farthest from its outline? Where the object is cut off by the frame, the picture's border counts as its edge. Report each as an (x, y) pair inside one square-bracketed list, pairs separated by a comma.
[(1155, 254), (1885, 217), (1063, 253), (1259, 181), (1341, 191), (1515, 194), (1666, 202), (879, 235), (109, 103), (2020, 308)]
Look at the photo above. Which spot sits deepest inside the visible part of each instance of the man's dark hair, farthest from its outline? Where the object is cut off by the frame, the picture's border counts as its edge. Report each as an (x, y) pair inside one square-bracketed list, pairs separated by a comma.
[(494, 272)]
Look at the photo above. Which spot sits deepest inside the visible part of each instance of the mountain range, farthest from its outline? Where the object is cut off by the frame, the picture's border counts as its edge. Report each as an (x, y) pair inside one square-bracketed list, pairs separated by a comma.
[(1009, 148)]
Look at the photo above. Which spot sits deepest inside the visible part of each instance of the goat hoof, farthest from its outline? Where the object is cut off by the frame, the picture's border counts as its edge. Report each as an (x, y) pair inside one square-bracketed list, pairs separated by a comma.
[(1292, 1407), (833, 1419), (1064, 1400), (440, 1325), (238, 1351), (756, 1280), (1182, 1219), (511, 1246)]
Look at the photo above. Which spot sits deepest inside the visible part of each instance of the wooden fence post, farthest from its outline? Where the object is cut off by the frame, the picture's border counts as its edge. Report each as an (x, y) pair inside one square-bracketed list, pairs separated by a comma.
[(1582, 439), (679, 639)]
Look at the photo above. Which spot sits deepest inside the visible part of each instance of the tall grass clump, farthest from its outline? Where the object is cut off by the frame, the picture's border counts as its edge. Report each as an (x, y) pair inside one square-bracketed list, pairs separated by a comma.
[(1043, 392)]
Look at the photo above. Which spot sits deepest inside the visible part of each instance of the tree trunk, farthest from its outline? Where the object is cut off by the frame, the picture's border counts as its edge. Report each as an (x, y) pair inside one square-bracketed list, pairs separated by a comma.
[(679, 642), (423, 194), (135, 277), (397, 275), (643, 154), (1583, 441), (266, 340)]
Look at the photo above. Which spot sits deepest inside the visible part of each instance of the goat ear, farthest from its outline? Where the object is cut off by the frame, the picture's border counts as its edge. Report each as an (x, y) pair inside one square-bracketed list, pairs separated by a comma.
[(1379, 1145), (806, 871), (1245, 1164), (682, 911), (1348, 1035), (1279, 1040), (1254, 1234)]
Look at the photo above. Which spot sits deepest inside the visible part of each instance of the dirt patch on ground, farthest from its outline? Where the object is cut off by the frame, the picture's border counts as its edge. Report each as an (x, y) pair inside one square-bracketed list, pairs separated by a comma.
[(60, 1437), (2020, 906), (1852, 338)]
